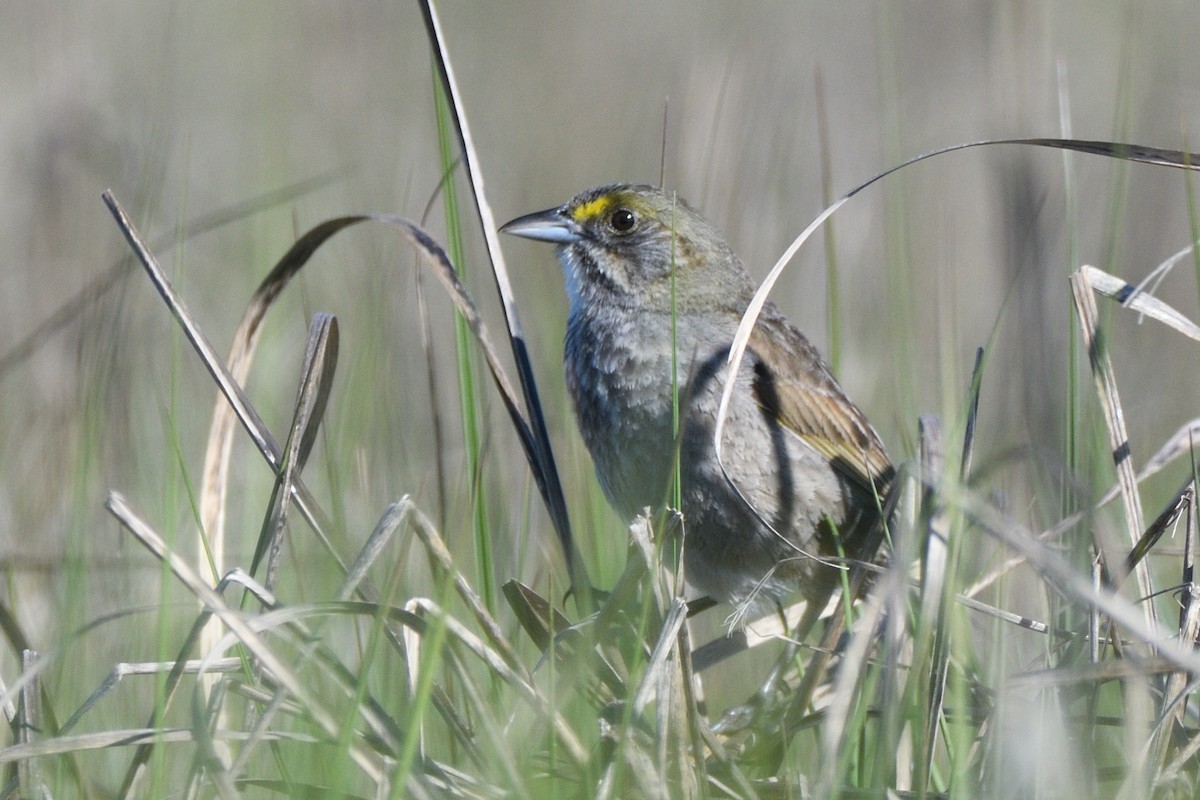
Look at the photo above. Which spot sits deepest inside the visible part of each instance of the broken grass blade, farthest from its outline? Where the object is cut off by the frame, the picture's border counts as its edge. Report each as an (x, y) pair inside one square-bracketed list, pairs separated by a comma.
[(133, 669), (1131, 297), (316, 379)]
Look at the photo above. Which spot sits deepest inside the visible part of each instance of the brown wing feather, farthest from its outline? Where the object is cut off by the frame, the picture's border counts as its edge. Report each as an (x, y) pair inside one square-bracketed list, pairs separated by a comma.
[(794, 383)]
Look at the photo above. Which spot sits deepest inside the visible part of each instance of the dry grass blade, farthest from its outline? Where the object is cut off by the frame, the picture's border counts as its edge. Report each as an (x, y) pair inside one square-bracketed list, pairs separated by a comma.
[(385, 731), (180, 666), (239, 627), (496, 660), (382, 726), (219, 449), (393, 517), (535, 614), (769, 628), (295, 790), (540, 454), (1099, 672), (439, 556), (1178, 444), (1180, 684), (968, 448), (663, 652), (849, 676), (661, 680), (500, 656), (436, 258), (125, 738), (1133, 298), (1075, 587), (316, 380), (861, 573), (548, 628), (665, 681), (229, 381), (125, 670), (1118, 436), (1002, 615), (1157, 528)]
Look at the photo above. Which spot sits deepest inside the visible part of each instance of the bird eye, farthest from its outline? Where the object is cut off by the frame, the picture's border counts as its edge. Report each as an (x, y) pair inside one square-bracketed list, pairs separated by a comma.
[(622, 220)]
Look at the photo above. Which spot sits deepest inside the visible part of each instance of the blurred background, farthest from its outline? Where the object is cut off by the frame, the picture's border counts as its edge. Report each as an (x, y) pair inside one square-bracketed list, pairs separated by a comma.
[(186, 109)]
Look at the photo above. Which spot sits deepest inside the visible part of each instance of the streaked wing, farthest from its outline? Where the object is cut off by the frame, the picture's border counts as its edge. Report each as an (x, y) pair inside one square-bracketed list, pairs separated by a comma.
[(793, 382)]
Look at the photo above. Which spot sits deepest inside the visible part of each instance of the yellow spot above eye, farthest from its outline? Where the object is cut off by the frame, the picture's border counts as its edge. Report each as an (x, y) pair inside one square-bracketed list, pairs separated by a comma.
[(593, 209)]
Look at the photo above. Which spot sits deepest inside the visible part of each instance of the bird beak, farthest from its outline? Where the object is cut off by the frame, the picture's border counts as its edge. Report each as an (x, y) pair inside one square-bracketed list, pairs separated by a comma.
[(551, 225)]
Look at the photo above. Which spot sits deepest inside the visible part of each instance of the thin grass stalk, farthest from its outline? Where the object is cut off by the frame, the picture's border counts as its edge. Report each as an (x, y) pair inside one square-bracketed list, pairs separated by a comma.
[(629, 759), (495, 663), (379, 632), (833, 299), (470, 407), (1073, 422), (689, 710), (294, 623), (853, 668), (432, 373), (486, 728), (127, 737)]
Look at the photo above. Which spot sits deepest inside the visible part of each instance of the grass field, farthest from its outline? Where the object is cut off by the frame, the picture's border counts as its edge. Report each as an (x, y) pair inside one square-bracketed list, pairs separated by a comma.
[(384, 649)]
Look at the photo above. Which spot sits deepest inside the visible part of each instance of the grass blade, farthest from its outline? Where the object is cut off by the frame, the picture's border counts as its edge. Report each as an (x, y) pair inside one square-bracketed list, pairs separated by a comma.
[(542, 458)]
